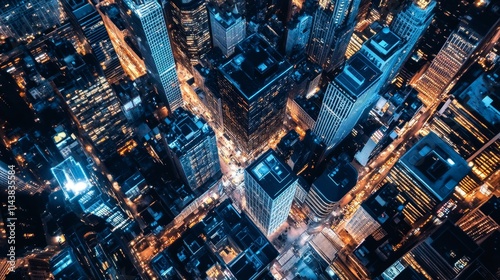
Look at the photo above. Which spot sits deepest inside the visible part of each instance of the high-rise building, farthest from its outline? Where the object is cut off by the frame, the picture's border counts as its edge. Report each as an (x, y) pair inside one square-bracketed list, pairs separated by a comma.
[(482, 221), (92, 33), (83, 194), (346, 98), (332, 28), (147, 22), (190, 27), (427, 174), (193, 149), (9, 177), (253, 86), (440, 77), (297, 34), (65, 265), (270, 188), (383, 49), (443, 255), (102, 252), (24, 20), (228, 28), (486, 266), (466, 130), (376, 214), (329, 189), (92, 101), (410, 24), (127, 52)]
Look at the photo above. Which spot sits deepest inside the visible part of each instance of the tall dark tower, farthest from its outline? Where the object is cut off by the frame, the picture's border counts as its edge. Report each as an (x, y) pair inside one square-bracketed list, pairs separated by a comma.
[(253, 90), (190, 27), (92, 32), (332, 29)]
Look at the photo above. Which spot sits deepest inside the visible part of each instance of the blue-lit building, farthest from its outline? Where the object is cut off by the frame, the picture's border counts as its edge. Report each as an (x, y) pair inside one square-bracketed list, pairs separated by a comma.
[(193, 149), (426, 175), (346, 98), (328, 190), (410, 25), (332, 29), (84, 195), (228, 28), (270, 188), (147, 22), (24, 21), (65, 265)]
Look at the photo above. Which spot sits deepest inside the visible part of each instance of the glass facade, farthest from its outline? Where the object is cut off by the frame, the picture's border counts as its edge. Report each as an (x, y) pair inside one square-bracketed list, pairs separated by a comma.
[(332, 28), (439, 77), (147, 22), (191, 27), (92, 32), (254, 93), (193, 148), (97, 110)]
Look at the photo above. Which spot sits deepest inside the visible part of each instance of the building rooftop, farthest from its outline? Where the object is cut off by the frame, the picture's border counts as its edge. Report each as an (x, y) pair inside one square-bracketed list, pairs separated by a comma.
[(336, 182), (255, 66), (453, 245), (184, 130), (358, 75), (436, 165), (310, 105), (482, 97), (136, 180), (385, 43), (71, 177), (492, 209), (224, 239), (383, 204), (327, 243), (224, 14), (272, 174)]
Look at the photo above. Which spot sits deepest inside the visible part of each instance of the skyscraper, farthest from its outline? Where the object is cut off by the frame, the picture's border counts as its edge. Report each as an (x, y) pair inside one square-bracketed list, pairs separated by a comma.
[(427, 174), (66, 265), (329, 189), (83, 194), (190, 27), (482, 221), (410, 24), (148, 24), (228, 28), (24, 20), (474, 139), (298, 33), (375, 215), (331, 31), (193, 149), (270, 188), (92, 32), (92, 101), (440, 77), (384, 50), (253, 86), (346, 98), (442, 255)]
